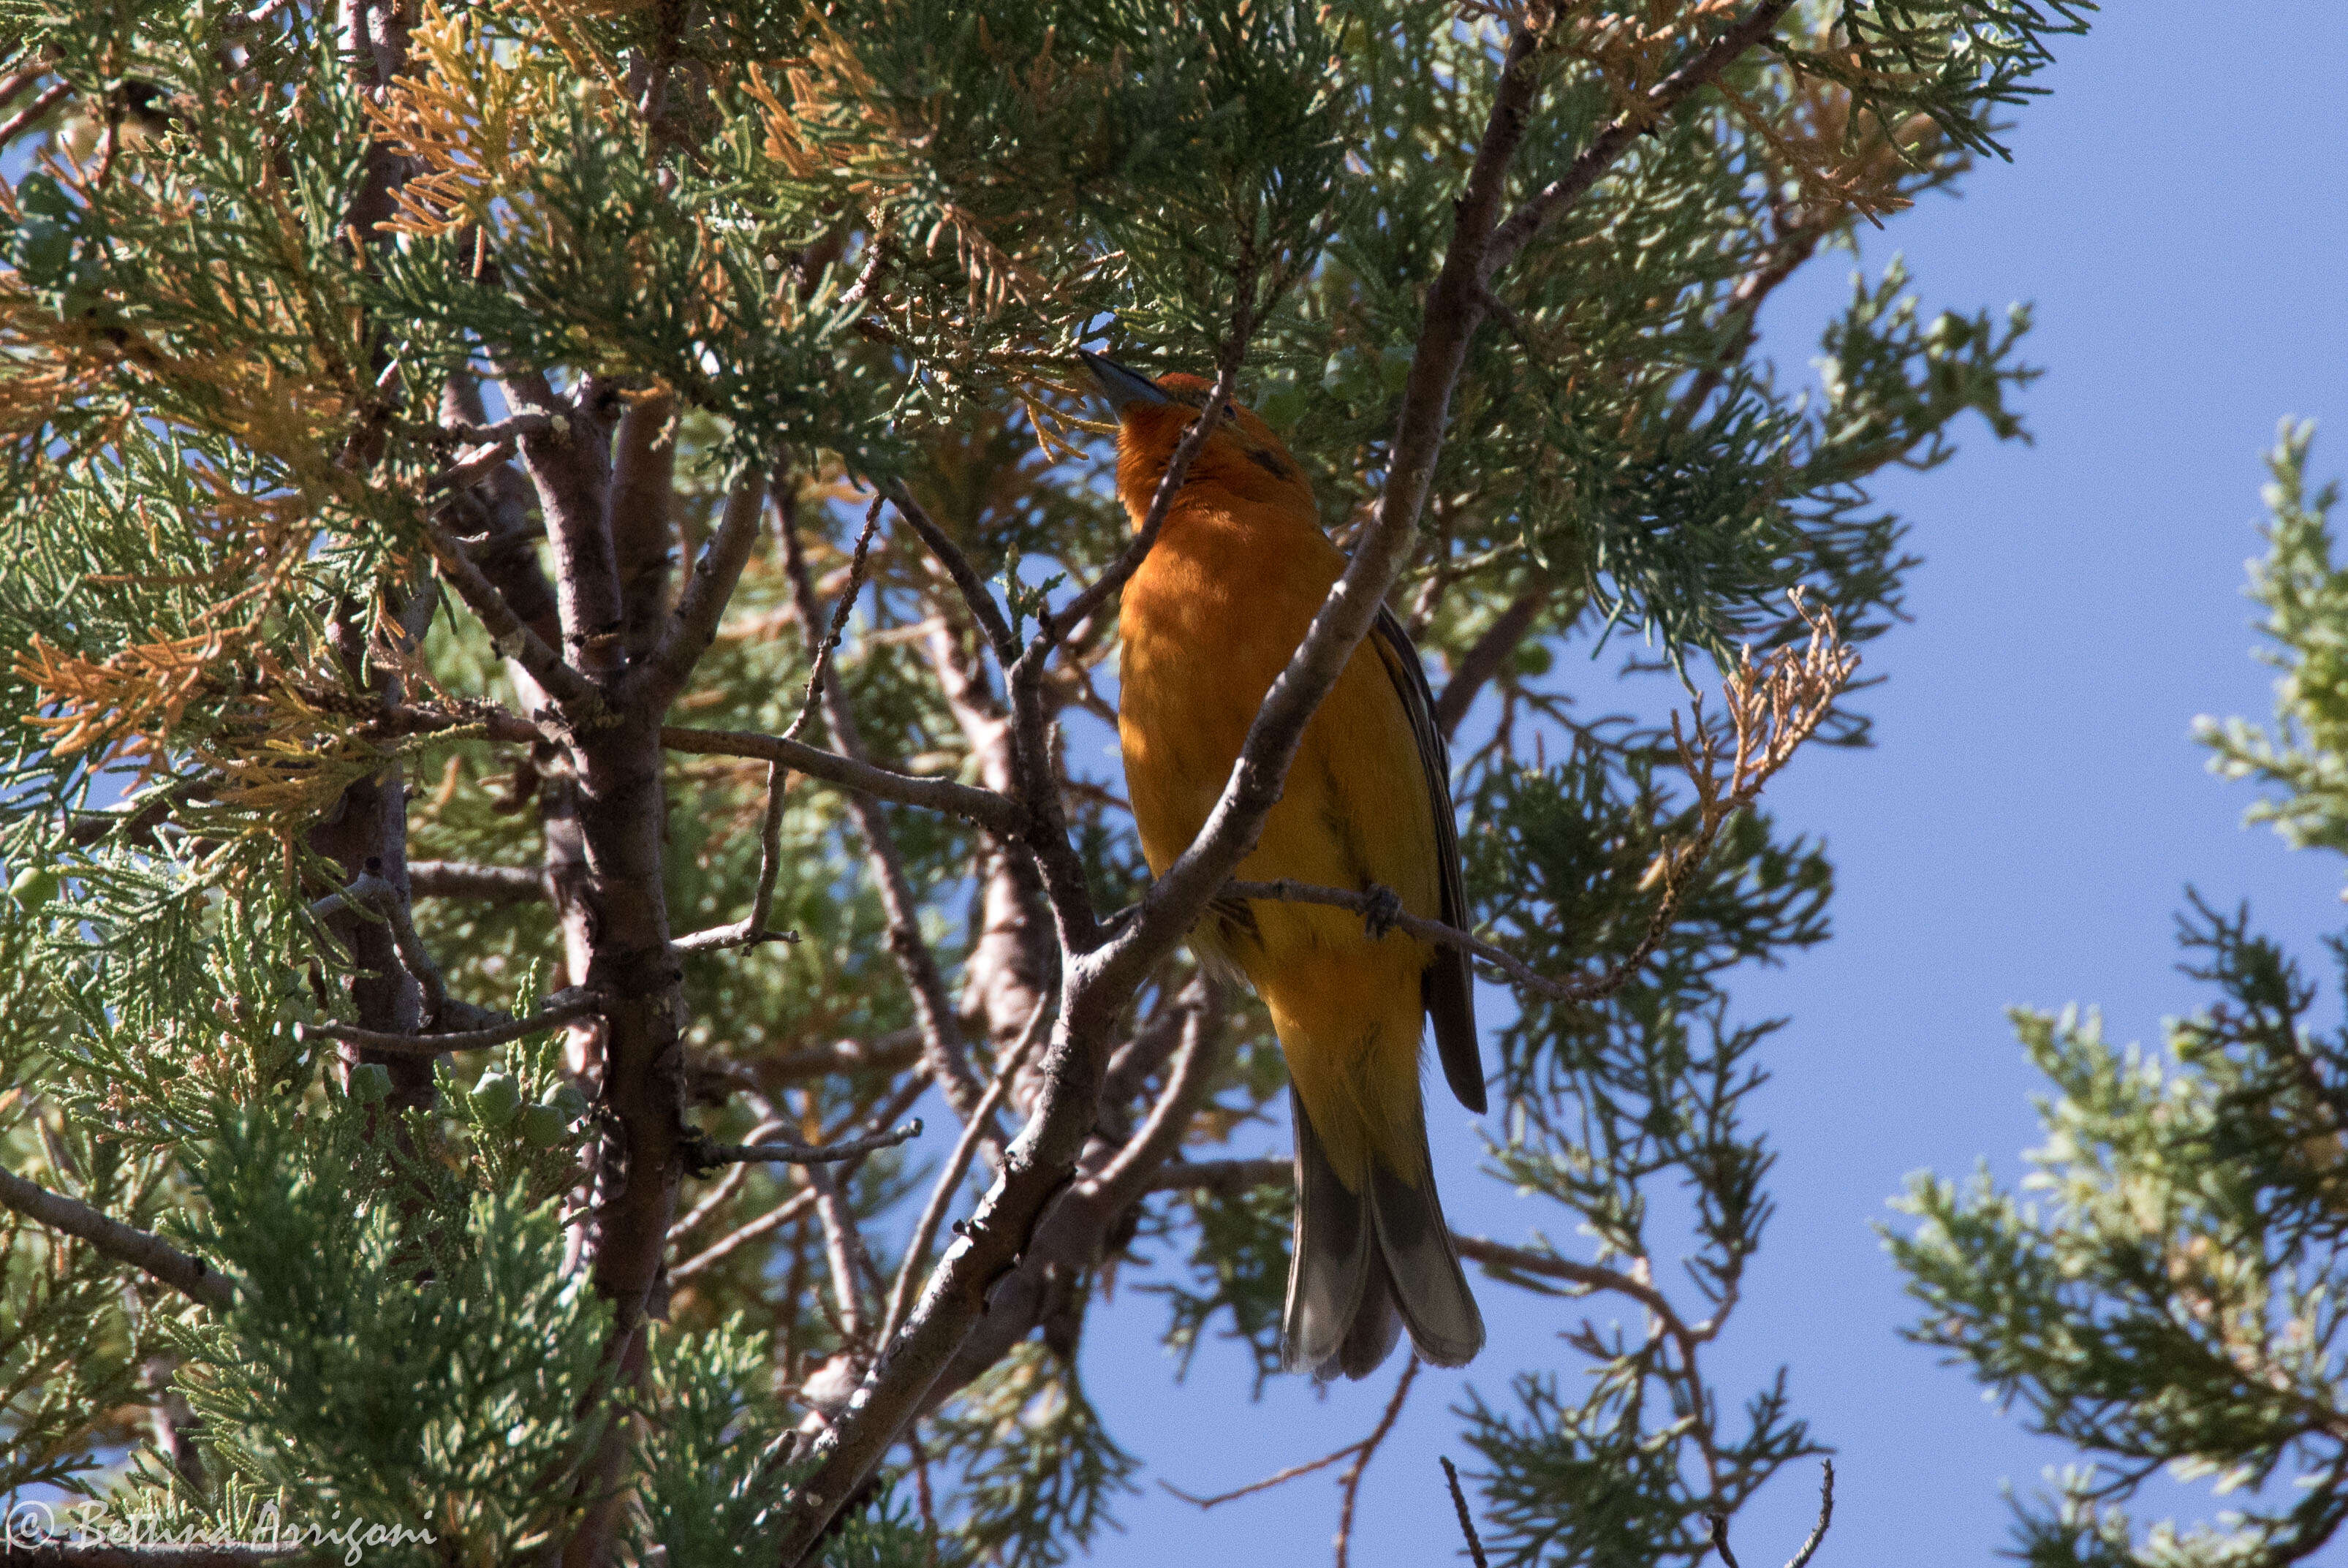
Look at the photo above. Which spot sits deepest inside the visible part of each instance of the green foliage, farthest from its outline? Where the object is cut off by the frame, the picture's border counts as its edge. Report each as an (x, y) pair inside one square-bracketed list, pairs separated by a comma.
[(496, 1350), (2170, 1295), (2305, 758)]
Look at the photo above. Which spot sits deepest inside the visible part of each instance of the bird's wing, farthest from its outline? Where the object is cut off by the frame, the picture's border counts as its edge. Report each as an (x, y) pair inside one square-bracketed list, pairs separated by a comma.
[(1449, 985)]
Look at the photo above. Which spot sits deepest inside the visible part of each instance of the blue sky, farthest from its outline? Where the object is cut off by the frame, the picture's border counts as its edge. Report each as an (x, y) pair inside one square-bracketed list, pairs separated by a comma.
[(2022, 833)]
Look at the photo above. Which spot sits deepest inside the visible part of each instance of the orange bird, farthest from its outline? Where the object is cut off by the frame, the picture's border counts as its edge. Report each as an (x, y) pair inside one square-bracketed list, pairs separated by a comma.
[(1237, 573)]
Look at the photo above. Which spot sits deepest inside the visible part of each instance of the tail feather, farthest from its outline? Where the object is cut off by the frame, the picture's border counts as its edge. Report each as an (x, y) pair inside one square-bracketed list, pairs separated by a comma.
[(1333, 1246), (1416, 1253), (1367, 1264)]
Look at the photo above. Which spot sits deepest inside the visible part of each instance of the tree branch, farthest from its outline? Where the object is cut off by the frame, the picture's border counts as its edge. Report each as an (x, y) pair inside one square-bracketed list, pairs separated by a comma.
[(990, 810), (481, 883), (1484, 657), (48, 98), (151, 1254), (507, 632), (925, 1229), (1467, 1521), (694, 626), (774, 1219), (700, 1159), (562, 1008), (1188, 1083), (973, 588), (800, 1201), (1554, 198), (842, 607)]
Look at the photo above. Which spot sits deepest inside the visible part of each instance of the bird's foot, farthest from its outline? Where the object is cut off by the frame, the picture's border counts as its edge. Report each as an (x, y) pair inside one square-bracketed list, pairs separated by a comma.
[(1384, 909)]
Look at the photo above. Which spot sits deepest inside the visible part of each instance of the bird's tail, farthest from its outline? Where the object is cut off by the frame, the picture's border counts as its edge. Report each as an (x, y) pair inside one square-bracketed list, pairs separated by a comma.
[(1371, 1258)]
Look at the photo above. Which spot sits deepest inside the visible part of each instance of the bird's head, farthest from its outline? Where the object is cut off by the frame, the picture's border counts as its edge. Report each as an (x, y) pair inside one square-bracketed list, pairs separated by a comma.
[(1240, 457)]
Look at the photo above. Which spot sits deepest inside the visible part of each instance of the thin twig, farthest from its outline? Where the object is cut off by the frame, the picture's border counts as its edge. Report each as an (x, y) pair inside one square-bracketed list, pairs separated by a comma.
[(1280, 1478), (34, 111), (151, 1254), (751, 930), (925, 1229), (725, 1187), (974, 591), (1701, 68), (1350, 1483), (702, 1159), (774, 1219), (1289, 890), (800, 1201), (562, 1008), (840, 610), (1053, 626), (1459, 1501), (1359, 1450), (842, 1249), (947, 1056), (1826, 1517), (1188, 1082), (1774, 705), (1719, 1522), (371, 892), (997, 813)]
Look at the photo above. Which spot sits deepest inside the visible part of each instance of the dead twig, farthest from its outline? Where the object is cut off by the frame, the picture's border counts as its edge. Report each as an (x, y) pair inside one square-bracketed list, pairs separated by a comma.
[(947, 1056), (1360, 1451), (1774, 705), (1719, 1522), (995, 812), (751, 929), (1350, 1483), (1459, 1501)]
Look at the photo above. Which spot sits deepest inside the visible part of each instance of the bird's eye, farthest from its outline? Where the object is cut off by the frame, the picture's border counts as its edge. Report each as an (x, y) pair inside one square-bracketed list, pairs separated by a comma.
[(1230, 412)]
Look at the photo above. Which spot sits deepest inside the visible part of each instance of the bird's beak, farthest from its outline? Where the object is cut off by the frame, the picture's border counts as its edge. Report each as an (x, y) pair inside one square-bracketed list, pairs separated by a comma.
[(1120, 388)]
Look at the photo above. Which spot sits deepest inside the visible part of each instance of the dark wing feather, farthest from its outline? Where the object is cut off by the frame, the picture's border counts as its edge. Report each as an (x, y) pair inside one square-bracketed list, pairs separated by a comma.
[(1449, 985)]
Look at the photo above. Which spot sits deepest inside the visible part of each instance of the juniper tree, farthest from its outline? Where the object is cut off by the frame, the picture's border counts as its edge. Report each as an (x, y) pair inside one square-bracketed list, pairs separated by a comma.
[(556, 566), (2170, 1301)]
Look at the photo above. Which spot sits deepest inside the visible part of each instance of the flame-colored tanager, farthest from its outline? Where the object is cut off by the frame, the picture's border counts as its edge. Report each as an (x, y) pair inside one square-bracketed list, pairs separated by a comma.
[(1214, 614)]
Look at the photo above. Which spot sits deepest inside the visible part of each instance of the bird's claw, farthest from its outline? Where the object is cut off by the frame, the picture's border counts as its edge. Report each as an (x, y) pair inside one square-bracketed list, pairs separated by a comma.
[(1384, 909)]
